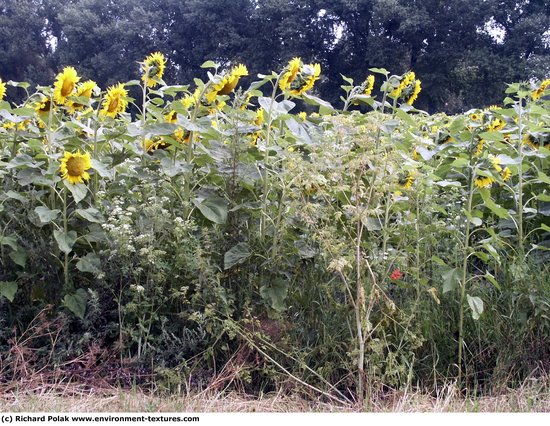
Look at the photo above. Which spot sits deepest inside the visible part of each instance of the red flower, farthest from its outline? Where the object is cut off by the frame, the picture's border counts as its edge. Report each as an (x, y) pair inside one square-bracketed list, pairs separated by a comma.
[(396, 274)]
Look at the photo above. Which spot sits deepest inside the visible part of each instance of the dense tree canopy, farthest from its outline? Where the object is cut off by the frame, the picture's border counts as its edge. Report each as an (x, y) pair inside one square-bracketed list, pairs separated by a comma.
[(464, 51)]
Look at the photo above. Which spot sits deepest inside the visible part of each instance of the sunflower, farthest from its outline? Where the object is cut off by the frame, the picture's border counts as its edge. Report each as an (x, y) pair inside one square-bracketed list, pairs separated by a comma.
[(404, 82), (64, 85), (180, 134), (406, 182), (496, 125), (84, 90), (258, 121), (415, 87), (290, 74), (531, 140), (192, 99), (479, 148), (495, 162), (153, 68), (74, 165), (506, 173), (475, 116), (2, 89), (157, 142), (368, 85), (298, 77), (115, 101), (538, 93), (227, 82), (483, 181)]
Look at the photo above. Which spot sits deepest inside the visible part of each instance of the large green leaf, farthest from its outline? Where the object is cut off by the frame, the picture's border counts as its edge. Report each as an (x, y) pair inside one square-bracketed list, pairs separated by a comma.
[(236, 255), (65, 241), (78, 190), (476, 305), (76, 302), (89, 263), (45, 214), (91, 214), (451, 279), (275, 293), (8, 289), (491, 205), (213, 208)]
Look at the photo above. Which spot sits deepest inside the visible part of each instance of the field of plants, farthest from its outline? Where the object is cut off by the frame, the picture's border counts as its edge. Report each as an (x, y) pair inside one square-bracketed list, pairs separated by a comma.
[(255, 237)]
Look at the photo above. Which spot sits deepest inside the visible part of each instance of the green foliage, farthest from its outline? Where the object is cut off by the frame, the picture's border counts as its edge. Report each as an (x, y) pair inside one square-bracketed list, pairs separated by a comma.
[(220, 227)]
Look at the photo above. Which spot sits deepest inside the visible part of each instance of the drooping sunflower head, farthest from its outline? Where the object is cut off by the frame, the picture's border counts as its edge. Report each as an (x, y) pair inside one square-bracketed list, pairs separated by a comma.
[(153, 69), (408, 88), (479, 148), (227, 82), (84, 90), (74, 167), (483, 181), (496, 163), (406, 181), (404, 81), (298, 77), (368, 85), (536, 94), (506, 173), (2, 89), (65, 84), (290, 72), (43, 106), (531, 140), (115, 101), (305, 79)]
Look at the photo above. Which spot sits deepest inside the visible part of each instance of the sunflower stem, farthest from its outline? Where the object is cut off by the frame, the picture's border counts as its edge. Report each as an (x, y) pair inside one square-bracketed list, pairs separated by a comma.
[(65, 229), (266, 158), (520, 180), (465, 256)]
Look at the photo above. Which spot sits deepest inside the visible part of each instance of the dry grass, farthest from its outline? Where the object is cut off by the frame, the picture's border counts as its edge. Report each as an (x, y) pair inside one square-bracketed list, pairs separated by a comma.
[(533, 396)]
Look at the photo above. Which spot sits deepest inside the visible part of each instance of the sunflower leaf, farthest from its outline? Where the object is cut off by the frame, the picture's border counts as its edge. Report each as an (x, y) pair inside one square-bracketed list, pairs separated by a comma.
[(89, 263), (65, 241), (8, 289), (78, 190), (91, 214), (213, 208), (236, 255), (275, 294), (46, 215), (76, 302), (476, 305)]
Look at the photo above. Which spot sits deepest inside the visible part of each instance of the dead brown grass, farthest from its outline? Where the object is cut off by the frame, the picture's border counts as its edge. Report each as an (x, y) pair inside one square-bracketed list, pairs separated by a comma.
[(533, 396)]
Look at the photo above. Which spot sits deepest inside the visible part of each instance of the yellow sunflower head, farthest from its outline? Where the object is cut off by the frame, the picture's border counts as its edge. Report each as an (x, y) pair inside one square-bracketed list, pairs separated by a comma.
[(542, 88), (290, 72), (479, 148), (74, 165), (65, 84), (368, 85), (153, 68), (406, 181), (299, 77), (495, 162), (191, 100), (2, 89), (84, 90), (227, 82), (408, 89), (115, 101), (483, 181), (506, 173)]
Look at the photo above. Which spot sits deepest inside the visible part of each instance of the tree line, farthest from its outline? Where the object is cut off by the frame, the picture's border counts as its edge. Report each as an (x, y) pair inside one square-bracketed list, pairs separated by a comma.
[(464, 51)]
